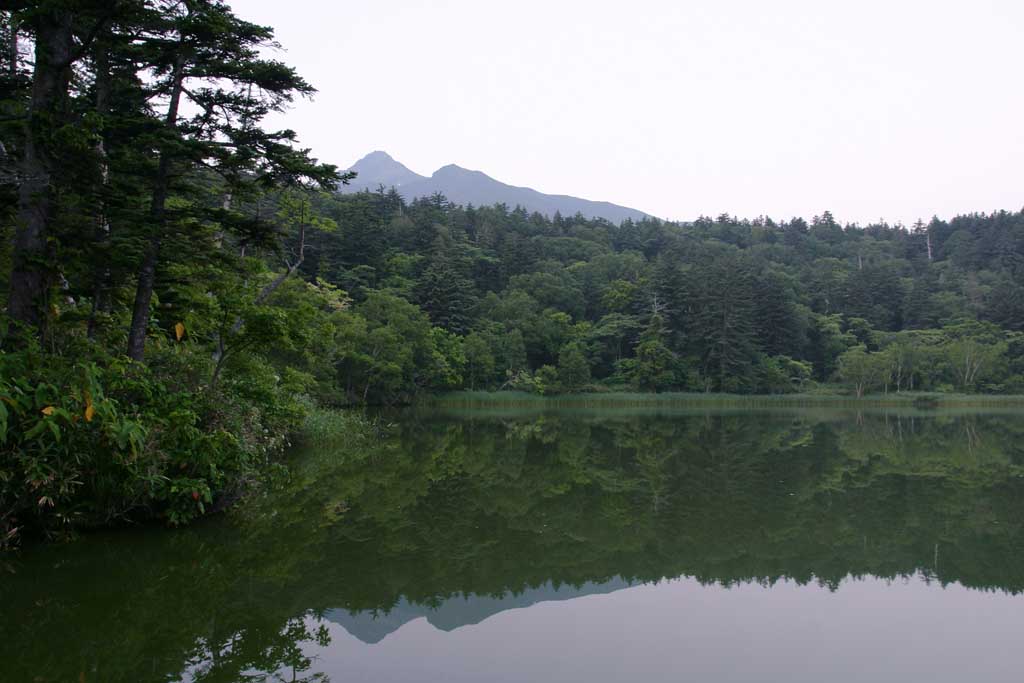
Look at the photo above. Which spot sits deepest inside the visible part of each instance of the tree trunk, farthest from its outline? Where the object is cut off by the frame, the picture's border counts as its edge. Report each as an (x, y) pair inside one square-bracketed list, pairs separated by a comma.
[(101, 273), (219, 357), (143, 298), (290, 269), (12, 58), (147, 271), (30, 276)]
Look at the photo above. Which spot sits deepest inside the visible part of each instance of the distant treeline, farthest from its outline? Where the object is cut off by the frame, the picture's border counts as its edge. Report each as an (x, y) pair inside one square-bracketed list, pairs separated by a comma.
[(747, 306)]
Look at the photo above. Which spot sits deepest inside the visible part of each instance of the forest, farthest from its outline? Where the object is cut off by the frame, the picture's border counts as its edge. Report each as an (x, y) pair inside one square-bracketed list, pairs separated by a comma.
[(184, 285)]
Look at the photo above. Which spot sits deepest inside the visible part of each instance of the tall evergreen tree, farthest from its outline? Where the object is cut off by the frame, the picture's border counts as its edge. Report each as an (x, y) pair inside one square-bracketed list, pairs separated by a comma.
[(206, 56), (723, 322)]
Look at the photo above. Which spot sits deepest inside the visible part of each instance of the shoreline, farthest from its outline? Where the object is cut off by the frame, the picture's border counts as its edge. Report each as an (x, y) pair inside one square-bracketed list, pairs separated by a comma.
[(924, 401)]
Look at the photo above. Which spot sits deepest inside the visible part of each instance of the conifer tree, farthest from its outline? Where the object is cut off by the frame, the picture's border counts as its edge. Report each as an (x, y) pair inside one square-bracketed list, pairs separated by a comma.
[(207, 57)]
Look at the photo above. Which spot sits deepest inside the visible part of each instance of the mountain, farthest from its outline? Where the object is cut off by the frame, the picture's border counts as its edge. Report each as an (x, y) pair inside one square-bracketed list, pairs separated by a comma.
[(463, 186), (378, 168), (449, 614)]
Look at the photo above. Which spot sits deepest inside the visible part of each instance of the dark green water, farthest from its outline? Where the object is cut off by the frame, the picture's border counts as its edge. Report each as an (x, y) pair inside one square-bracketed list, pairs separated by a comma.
[(567, 546)]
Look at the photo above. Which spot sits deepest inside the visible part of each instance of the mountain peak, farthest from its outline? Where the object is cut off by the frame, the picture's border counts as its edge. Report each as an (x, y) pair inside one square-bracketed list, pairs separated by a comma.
[(463, 186), (377, 155), (451, 170), (380, 168)]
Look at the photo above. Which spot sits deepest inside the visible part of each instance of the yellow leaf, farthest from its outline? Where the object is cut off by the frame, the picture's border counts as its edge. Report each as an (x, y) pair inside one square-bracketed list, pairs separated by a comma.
[(89, 412), (48, 410), (179, 331)]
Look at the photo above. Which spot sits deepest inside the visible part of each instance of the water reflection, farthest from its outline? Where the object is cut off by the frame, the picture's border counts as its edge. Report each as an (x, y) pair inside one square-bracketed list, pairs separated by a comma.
[(444, 521)]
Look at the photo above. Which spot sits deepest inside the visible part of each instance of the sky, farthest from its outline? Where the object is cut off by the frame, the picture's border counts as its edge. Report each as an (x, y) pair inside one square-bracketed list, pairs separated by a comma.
[(900, 110)]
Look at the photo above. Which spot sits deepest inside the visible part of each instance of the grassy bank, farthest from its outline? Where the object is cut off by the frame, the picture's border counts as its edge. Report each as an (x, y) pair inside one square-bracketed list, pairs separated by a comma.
[(328, 427), (325, 427), (485, 399)]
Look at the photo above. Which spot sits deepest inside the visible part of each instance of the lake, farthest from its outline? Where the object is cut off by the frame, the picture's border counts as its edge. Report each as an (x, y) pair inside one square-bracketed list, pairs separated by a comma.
[(567, 545)]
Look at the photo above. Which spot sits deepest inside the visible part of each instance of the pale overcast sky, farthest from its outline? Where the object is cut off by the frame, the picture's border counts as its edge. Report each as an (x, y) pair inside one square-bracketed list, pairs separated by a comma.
[(895, 109)]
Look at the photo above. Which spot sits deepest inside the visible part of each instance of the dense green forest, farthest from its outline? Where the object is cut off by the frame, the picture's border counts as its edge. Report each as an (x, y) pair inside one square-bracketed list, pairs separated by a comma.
[(184, 283), (509, 300)]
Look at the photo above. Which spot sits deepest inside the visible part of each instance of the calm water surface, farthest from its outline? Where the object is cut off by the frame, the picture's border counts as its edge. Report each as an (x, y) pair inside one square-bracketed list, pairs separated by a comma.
[(567, 546)]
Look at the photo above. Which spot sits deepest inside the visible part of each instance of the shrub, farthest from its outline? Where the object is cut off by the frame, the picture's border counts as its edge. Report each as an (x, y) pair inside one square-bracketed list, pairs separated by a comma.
[(103, 440)]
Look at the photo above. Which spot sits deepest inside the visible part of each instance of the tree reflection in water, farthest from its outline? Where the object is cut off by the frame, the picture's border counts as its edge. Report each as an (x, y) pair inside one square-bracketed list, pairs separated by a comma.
[(512, 508)]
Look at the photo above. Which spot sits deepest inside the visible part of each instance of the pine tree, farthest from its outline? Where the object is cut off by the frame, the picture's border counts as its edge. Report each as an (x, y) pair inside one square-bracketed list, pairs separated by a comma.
[(654, 367), (207, 58), (447, 295), (723, 322)]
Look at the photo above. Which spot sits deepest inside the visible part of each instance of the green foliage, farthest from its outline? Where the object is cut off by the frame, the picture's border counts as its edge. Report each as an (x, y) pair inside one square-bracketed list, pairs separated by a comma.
[(158, 219), (324, 428), (863, 371), (573, 368), (963, 356), (654, 366), (545, 380), (480, 361), (86, 443), (783, 375), (448, 360)]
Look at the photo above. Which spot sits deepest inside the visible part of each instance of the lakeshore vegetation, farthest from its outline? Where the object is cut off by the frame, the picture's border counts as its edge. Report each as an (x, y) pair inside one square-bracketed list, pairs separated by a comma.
[(185, 285)]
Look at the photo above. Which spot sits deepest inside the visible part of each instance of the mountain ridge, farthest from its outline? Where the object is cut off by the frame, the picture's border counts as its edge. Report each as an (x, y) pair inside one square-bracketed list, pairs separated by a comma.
[(467, 186), (372, 626)]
